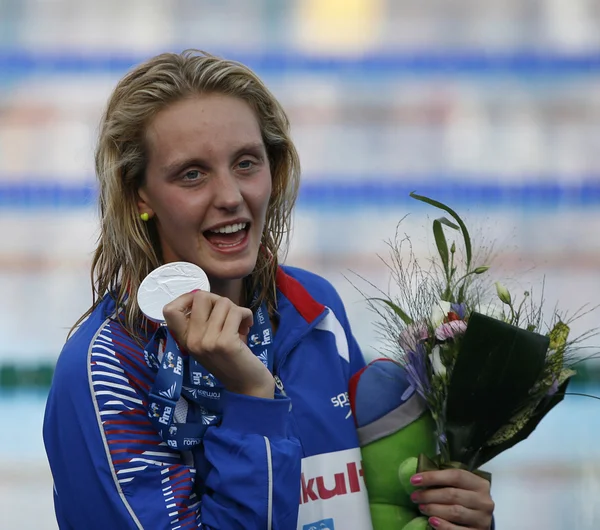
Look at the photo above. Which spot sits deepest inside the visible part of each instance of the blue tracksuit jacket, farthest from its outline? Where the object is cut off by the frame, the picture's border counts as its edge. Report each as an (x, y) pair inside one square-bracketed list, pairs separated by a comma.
[(285, 463)]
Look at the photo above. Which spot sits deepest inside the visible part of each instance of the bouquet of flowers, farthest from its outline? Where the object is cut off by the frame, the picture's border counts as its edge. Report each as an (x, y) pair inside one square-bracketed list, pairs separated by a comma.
[(488, 371)]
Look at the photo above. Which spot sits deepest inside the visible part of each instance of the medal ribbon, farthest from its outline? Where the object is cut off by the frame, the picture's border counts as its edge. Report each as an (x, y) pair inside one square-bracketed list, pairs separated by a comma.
[(181, 375)]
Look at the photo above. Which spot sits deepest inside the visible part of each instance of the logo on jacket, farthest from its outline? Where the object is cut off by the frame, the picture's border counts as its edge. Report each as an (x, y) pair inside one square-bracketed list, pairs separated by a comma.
[(342, 483), (323, 524), (342, 400), (332, 489)]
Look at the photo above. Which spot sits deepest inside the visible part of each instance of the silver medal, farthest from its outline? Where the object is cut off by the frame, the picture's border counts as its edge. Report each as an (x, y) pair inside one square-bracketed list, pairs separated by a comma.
[(166, 283)]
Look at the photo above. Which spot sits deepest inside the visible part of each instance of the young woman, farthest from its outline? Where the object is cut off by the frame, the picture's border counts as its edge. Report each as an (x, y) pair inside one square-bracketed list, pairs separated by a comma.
[(195, 164)]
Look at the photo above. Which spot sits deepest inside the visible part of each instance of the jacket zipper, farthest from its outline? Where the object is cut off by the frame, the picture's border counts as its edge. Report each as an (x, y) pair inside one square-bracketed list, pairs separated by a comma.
[(279, 385), (279, 365)]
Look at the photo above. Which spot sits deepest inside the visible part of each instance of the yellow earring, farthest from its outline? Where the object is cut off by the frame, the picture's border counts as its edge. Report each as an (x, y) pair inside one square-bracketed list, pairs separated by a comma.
[(144, 216)]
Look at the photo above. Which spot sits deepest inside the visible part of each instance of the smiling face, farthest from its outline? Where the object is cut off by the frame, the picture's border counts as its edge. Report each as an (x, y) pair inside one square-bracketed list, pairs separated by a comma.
[(207, 187)]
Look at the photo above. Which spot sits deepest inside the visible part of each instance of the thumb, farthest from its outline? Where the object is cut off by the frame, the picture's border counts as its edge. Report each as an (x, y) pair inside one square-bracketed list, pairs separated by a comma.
[(246, 322)]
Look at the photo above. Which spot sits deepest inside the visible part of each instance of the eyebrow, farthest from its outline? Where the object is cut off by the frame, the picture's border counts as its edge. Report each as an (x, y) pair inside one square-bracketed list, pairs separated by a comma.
[(178, 165)]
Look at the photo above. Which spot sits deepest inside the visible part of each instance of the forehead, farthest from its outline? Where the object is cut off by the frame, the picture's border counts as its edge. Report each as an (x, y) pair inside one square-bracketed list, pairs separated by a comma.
[(208, 125)]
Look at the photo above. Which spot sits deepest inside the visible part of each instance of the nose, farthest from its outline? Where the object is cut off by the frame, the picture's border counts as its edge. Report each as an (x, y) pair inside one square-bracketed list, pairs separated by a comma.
[(227, 192)]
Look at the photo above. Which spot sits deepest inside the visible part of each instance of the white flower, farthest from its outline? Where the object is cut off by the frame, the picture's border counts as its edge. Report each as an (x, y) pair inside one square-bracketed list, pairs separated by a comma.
[(439, 312), (503, 293), (436, 361)]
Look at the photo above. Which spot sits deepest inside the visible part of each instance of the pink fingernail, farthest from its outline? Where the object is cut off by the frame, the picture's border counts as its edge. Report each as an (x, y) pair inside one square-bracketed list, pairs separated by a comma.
[(434, 522), (195, 291), (416, 479)]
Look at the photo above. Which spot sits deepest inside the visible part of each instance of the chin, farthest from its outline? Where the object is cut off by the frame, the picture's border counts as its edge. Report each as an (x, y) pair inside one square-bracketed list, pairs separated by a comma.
[(224, 271)]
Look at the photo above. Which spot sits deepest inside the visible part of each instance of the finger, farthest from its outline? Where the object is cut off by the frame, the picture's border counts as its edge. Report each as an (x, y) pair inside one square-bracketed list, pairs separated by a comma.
[(202, 307), (471, 499), (184, 302), (454, 478), (239, 321), (206, 332), (216, 320), (455, 516), (178, 312), (175, 314), (442, 524)]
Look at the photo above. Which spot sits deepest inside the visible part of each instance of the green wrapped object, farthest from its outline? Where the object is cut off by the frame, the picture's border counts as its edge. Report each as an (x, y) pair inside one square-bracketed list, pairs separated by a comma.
[(394, 428)]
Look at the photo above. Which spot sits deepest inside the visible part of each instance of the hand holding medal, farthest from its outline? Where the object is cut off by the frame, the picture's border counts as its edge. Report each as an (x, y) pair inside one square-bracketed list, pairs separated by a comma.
[(211, 328)]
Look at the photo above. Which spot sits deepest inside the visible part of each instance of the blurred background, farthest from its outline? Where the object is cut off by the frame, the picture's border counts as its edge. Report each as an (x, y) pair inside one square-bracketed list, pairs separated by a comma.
[(492, 107)]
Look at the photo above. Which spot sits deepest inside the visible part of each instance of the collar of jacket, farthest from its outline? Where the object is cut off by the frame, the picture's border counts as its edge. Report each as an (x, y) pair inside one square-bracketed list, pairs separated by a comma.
[(299, 313)]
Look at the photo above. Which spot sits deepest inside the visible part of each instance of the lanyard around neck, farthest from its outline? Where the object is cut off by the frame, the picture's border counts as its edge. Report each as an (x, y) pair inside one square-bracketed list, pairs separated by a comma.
[(181, 375)]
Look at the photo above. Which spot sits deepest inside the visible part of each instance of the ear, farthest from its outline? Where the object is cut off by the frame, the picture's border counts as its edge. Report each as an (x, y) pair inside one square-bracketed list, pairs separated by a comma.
[(143, 203)]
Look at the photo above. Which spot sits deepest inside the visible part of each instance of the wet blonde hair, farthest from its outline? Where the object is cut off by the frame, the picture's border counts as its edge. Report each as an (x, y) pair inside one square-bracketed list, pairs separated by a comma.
[(128, 248)]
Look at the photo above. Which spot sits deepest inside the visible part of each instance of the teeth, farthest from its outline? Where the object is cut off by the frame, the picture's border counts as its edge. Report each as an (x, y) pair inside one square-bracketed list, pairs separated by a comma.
[(230, 229)]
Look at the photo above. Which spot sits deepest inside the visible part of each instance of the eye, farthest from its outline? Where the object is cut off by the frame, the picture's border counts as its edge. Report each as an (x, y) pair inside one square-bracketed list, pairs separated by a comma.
[(193, 174), (246, 164)]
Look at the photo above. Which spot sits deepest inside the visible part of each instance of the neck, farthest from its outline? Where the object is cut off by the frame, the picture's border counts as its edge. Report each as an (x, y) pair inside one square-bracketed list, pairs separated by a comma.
[(232, 289)]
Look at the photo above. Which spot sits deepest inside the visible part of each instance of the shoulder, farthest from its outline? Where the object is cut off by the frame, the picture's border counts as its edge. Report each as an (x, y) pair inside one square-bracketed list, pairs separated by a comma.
[(99, 347), (319, 288), (310, 293), (73, 355)]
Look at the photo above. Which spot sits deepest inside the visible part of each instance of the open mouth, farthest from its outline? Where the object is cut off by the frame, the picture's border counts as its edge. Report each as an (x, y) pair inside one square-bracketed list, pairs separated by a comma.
[(229, 236)]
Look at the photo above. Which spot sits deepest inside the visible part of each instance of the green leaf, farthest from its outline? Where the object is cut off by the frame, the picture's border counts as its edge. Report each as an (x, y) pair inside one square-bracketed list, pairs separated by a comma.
[(403, 316), (441, 243), (447, 222), (442, 246), (558, 336), (463, 228)]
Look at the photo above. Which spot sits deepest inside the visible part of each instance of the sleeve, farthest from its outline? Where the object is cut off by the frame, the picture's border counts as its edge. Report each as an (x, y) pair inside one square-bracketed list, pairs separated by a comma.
[(111, 469), (260, 486)]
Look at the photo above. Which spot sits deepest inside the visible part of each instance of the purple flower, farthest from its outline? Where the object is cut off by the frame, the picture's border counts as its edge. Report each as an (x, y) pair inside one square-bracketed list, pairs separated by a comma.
[(460, 310), (416, 370), (450, 329)]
